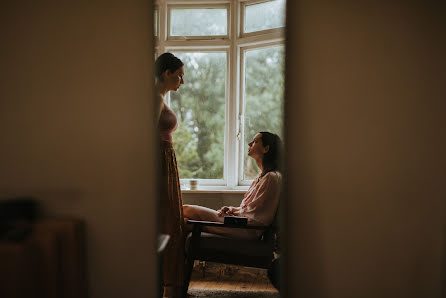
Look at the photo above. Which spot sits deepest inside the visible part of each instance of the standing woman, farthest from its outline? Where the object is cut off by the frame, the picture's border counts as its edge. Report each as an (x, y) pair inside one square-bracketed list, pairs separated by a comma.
[(169, 77)]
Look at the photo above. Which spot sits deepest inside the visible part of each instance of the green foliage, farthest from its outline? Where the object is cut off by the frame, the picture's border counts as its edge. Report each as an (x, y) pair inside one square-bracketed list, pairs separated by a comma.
[(198, 21), (266, 15), (200, 108), (264, 86)]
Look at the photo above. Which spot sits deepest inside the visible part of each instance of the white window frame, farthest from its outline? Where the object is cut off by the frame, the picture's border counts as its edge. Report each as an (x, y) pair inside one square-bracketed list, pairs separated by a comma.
[(226, 50), (156, 23), (235, 44), (242, 53)]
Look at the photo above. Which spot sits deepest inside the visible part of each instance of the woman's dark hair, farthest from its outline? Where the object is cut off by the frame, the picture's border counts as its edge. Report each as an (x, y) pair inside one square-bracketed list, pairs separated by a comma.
[(166, 61), (272, 159)]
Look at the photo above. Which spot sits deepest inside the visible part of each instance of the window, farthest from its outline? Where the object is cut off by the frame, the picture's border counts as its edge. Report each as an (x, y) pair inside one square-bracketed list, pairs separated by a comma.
[(263, 15), (200, 109), (198, 21), (263, 97), (233, 53), (155, 22)]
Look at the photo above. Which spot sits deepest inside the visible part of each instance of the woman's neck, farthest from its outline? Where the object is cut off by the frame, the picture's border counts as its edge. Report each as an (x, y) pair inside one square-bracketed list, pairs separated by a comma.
[(259, 164), (161, 88)]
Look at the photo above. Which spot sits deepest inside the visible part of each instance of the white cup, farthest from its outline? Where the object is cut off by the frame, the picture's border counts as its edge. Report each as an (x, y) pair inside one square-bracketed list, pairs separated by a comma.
[(193, 184)]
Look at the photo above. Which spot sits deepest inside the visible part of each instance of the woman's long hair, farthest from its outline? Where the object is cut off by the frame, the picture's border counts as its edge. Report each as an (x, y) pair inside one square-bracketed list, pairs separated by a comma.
[(272, 160)]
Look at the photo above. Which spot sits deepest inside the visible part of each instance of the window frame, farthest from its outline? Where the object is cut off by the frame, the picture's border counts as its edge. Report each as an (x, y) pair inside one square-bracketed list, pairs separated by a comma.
[(156, 23), (235, 45), (241, 151), (179, 49)]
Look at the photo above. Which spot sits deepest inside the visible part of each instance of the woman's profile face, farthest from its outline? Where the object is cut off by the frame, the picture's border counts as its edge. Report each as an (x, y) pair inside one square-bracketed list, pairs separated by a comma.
[(174, 79), (256, 148)]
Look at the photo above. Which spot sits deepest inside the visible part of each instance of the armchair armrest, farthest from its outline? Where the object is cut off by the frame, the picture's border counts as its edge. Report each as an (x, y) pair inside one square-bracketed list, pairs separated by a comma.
[(223, 225)]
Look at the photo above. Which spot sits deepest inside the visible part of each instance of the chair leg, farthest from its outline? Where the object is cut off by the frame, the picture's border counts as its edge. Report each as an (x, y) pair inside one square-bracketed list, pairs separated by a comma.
[(196, 233), (188, 273)]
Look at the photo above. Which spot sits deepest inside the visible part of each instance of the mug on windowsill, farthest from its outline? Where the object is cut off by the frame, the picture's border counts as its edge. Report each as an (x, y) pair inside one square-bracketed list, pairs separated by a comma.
[(193, 184)]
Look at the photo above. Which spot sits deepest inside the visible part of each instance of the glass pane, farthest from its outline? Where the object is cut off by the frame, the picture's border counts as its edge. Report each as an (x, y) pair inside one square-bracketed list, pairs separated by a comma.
[(264, 86), (263, 16), (198, 22), (200, 108)]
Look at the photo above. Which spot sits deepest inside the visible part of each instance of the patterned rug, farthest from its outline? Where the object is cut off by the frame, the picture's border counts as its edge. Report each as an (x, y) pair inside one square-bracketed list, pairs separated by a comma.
[(227, 293), (220, 280)]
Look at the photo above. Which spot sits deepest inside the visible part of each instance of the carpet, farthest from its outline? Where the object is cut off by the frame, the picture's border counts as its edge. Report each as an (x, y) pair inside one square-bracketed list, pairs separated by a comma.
[(196, 293), (220, 280)]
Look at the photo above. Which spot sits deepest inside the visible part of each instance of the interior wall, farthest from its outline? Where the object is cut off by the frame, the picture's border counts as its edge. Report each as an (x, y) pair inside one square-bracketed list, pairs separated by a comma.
[(76, 130), (212, 200), (365, 119)]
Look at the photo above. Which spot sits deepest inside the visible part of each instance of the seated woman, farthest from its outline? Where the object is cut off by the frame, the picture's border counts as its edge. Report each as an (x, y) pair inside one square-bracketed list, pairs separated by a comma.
[(260, 202)]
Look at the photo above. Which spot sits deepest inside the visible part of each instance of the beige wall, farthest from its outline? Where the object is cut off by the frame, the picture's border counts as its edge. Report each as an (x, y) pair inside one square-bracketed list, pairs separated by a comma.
[(212, 200), (365, 140), (76, 131), (365, 108)]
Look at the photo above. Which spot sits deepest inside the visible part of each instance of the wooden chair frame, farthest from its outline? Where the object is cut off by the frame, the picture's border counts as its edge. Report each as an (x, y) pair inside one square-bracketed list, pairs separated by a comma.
[(210, 247)]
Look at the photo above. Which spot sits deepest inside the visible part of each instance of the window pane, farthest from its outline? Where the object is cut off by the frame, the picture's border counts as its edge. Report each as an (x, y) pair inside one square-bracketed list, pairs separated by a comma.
[(198, 22), (263, 16), (264, 86), (200, 108)]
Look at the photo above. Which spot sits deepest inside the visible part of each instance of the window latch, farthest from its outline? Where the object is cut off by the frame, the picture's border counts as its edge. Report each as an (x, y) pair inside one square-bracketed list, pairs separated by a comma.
[(240, 127)]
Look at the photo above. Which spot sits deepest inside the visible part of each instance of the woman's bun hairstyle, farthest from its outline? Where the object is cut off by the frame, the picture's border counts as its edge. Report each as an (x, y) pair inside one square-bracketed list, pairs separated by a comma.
[(166, 61)]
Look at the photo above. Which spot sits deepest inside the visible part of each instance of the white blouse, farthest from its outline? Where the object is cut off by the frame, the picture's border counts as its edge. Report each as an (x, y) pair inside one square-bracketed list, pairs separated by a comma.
[(260, 202)]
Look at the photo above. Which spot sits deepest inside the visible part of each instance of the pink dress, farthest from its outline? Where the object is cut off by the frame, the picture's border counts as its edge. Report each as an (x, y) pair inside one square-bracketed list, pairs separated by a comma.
[(167, 124)]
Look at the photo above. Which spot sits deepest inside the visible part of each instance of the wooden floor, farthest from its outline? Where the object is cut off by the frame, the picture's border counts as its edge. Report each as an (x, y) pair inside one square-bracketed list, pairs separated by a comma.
[(213, 278)]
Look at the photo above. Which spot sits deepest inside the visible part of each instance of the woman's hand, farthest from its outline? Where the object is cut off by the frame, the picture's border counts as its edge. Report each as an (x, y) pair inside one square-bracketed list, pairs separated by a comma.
[(225, 210)]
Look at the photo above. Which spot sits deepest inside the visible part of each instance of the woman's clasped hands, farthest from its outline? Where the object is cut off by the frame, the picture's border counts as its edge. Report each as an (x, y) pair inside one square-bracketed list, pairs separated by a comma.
[(227, 211)]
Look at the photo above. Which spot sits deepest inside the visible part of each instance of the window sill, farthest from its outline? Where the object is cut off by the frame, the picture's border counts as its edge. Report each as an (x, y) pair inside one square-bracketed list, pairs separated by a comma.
[(215, 189)]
